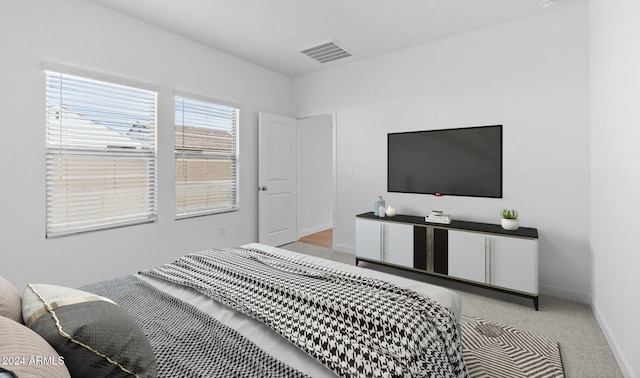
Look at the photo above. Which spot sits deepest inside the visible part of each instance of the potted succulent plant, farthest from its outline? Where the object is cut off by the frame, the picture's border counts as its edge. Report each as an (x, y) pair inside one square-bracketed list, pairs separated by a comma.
[(509, 219)]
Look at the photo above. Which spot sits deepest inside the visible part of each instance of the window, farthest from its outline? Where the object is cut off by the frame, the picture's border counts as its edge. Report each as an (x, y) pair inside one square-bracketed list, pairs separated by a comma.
[(206, 148), (101, 154)]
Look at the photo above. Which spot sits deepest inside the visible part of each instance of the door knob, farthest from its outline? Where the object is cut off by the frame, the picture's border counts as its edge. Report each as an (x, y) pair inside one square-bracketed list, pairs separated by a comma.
[(263, 188)]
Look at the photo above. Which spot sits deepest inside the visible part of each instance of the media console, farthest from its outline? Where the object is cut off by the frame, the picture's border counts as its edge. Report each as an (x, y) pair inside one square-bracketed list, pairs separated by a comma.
[(479, 254)]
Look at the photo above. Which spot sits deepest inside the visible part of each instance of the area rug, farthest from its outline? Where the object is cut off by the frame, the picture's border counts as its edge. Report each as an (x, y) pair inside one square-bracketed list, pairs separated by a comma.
[(494, 350)]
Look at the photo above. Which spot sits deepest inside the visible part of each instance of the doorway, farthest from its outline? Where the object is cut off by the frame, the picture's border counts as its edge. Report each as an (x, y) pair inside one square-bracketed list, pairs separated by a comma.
[(320, 239), (315, 146)]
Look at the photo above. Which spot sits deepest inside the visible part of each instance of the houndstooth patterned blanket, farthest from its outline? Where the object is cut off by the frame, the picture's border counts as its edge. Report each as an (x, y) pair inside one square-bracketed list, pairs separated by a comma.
[(356, 326)]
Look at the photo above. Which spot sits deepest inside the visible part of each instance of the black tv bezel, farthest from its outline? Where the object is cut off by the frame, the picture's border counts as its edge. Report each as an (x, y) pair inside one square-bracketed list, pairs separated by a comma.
[(500, 126)]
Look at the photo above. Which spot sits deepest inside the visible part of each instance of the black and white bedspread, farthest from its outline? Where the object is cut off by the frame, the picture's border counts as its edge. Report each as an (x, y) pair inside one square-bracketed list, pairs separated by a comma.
[(356, 326)]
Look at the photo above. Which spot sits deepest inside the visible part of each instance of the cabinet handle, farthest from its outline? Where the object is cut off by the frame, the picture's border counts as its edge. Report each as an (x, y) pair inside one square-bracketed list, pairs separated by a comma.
[(487, 259), (490, 264), (381, 241)]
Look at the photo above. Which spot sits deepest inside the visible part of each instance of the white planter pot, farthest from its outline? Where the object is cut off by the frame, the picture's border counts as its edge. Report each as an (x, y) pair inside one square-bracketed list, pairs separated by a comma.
[(510, 224)]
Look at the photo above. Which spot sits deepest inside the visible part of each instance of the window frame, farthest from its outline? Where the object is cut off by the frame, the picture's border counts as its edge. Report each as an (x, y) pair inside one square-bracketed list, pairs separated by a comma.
[(144, 157), (182, 153)]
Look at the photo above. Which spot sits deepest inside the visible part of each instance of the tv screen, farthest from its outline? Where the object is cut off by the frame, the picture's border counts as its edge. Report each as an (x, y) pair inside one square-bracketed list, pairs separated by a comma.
[(457, 162)]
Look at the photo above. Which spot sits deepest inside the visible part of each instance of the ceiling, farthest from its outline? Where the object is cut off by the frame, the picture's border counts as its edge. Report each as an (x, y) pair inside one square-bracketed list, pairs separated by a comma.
[(271, 33)]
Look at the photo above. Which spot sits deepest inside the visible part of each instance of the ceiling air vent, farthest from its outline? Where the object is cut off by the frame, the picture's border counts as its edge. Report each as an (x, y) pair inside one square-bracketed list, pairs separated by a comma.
[(326, 52)]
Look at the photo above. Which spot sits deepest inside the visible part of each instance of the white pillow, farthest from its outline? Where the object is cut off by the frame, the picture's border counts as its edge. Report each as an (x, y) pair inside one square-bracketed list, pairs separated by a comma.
[(27, 354), (10, 301)]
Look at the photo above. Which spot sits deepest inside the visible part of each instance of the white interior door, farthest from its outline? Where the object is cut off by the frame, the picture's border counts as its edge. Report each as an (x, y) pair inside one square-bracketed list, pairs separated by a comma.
[(277, 224)]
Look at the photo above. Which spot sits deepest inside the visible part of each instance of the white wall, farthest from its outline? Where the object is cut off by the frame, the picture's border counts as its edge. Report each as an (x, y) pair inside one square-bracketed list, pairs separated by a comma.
[(615, 177), (82, 34), (315, 174), (532, 76)]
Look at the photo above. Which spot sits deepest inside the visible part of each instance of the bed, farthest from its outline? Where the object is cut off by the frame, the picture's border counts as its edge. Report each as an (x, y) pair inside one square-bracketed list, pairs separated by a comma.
[(243, 332)]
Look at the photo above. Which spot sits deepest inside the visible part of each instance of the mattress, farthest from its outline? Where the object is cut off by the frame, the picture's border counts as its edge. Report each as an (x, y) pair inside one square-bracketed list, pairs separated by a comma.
[(270, 341)]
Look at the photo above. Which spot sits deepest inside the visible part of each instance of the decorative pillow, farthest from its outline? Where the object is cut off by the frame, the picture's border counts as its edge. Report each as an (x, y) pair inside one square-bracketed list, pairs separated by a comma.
[(26, 354), (10, 301), (96, 337)]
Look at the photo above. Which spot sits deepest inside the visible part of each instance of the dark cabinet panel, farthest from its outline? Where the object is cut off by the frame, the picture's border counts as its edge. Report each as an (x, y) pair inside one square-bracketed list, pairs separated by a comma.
[(440, 251), (420, 248)]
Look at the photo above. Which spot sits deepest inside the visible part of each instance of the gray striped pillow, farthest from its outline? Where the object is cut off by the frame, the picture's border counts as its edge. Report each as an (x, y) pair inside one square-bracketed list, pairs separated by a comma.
[(96, 336)]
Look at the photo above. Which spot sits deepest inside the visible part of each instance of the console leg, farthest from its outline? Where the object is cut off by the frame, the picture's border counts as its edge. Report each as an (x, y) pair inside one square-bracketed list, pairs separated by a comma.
[(535, 303)]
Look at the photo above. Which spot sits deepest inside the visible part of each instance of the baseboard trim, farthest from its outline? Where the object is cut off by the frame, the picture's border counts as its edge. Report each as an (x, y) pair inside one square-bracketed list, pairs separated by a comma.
[(566, 294), (624, 364), (344, 248)]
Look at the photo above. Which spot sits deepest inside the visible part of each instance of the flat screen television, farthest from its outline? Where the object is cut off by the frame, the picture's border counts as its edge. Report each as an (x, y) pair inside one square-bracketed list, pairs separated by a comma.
[(457, 162)]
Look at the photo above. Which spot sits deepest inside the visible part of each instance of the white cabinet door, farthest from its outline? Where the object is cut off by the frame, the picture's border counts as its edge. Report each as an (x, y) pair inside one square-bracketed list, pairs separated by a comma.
[(385, 241), (514, 263), (467, 255), (398, 244), (368, 239)]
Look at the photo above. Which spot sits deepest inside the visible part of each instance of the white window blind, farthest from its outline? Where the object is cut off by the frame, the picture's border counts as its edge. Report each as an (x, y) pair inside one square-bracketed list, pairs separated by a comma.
[(101, 154), (206, 148)]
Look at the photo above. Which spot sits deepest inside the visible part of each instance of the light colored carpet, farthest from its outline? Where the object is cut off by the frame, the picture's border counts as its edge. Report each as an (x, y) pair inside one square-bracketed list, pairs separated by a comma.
[(583, 348)]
